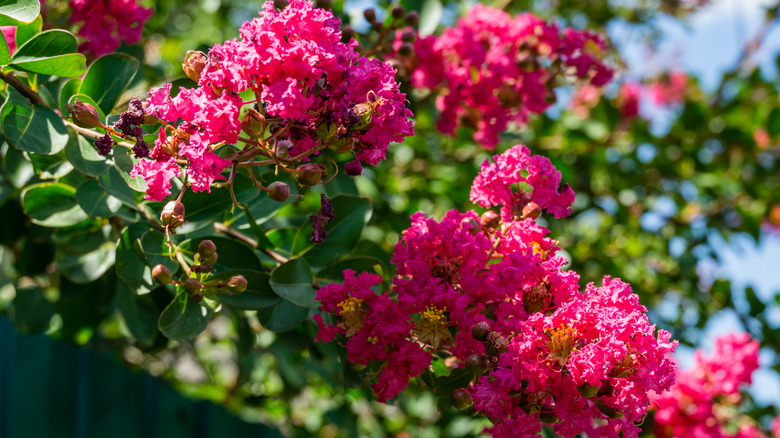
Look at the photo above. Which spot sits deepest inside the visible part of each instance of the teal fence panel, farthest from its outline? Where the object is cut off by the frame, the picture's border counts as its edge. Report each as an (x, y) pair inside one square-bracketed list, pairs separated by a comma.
[(52, 389)]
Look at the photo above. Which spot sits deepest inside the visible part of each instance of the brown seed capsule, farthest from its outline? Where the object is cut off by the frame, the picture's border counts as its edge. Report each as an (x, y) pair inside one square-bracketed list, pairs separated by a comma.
[(253, 123), (490, 219), (237, 283), (172, 214), (461, 399), (398, 12), (206, 249), (370, 15), (192, 286), (161, 274), (347, 32), (480, 330), (378, 26), (84, 114), (495, 344), (309, 174), (532, 210), (477, 364), (278, 191), (194, 63), (408, 36)]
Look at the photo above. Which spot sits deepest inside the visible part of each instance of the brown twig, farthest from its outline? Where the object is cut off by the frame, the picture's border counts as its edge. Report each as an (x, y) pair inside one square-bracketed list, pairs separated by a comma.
[(23, 88), (222, 228)]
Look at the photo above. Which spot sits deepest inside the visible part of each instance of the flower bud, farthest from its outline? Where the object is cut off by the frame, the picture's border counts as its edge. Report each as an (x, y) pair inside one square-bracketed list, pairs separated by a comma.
[(360, 115), (282, 149), (398, 12), (370, 15), (161, 274), (495, 344), (280, 4), (278, 191), (172, 214), (408, 36), (206, 249), (253, 123), (347, 33), (490, 219), (480, 331), (194, 63), (309, 174), (472, 225), (461, 399), (237, 284), (378, 26), (532, 210), (406, 49), (198, 297), (84, 114), (324, 4), (477, 364), (412, 18), (192, 286)]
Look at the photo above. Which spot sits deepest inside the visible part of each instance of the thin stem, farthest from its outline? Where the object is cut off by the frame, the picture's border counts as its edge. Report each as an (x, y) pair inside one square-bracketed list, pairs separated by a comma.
[(23, 88), (183, 263), (222, 228)]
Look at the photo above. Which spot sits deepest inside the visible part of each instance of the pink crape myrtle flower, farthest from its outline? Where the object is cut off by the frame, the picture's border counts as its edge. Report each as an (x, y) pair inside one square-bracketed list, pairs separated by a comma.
[(696, 404), (495, 69), (9, 34), (628, 98), (107, 22), (321, 91), (498, 181), (669, 91)]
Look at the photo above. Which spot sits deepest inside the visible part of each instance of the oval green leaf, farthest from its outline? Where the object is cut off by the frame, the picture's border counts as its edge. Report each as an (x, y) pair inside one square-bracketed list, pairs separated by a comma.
[(283, 317), (95, 201), (293, 282), (258, 294), (84, 157), (52, 52), (52, 205), (133, 272), (107, 78), (184, 319), (21, 10), (37, 129)]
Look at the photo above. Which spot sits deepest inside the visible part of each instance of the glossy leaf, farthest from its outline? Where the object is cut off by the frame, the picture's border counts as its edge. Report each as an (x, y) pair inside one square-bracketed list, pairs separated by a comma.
[(52, 52), (283, 317), (86, 268), (458, 378), (140, 313), (132, 271), (184, 319), (20, 10), (258, 294), (35, 129), (430, 17), (123, 163), (156, 251), (95, 201), (293, 282), (52, 205), (82, 153), (232, 255), (107, 78)]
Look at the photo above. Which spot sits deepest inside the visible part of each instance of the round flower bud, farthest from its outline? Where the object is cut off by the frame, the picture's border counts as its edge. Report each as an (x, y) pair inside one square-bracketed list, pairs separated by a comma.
[(237, 283), (210, 261), (472, 225), (84, 114), (490, 219), (477, 364), (406, 49), (495, 344), (347, 32), (370, 15), (192, 286), (360, 115), (206, 249), (161, 274), (172, 214), (408, 36), (282, 149), (309, 174), (194, 63), (461, 399), (412, 18), (532, 210), (198, 297), (480, 331), (278, 191), (398, 12), (378, 26)]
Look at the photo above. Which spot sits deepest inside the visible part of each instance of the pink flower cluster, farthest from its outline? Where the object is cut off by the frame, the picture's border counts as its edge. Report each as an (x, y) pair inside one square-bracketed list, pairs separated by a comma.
[(312, 90), (495, 69), (493, 296), (500, 184), (704, 400), (104, 23)]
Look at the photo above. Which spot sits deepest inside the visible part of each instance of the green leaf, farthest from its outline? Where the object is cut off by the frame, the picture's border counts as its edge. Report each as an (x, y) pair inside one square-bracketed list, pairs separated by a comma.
[(334, 273), (52, 52), (16, 167), (84, 156), (293, 282), (86, 268), (123, 163), (140, 313), (107, 78), (352, 215), (184, 319), (258, 294), (25, 31), (283, 317), (113, 183), (5, 53), (21, 10), (156, 251), (131, 270), (231, 255), (430, 17), (51, 166), (68, 89), (52, 205), (95, 201), (458, 378), (773, 123), (37, 129), (32, 311)]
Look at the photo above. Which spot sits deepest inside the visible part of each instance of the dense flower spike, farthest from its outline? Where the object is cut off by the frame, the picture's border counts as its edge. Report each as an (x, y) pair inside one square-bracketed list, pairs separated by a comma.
[(497, 69), (312, 92), (104, 23), (703, 399), (497, 182), (491, 296)]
